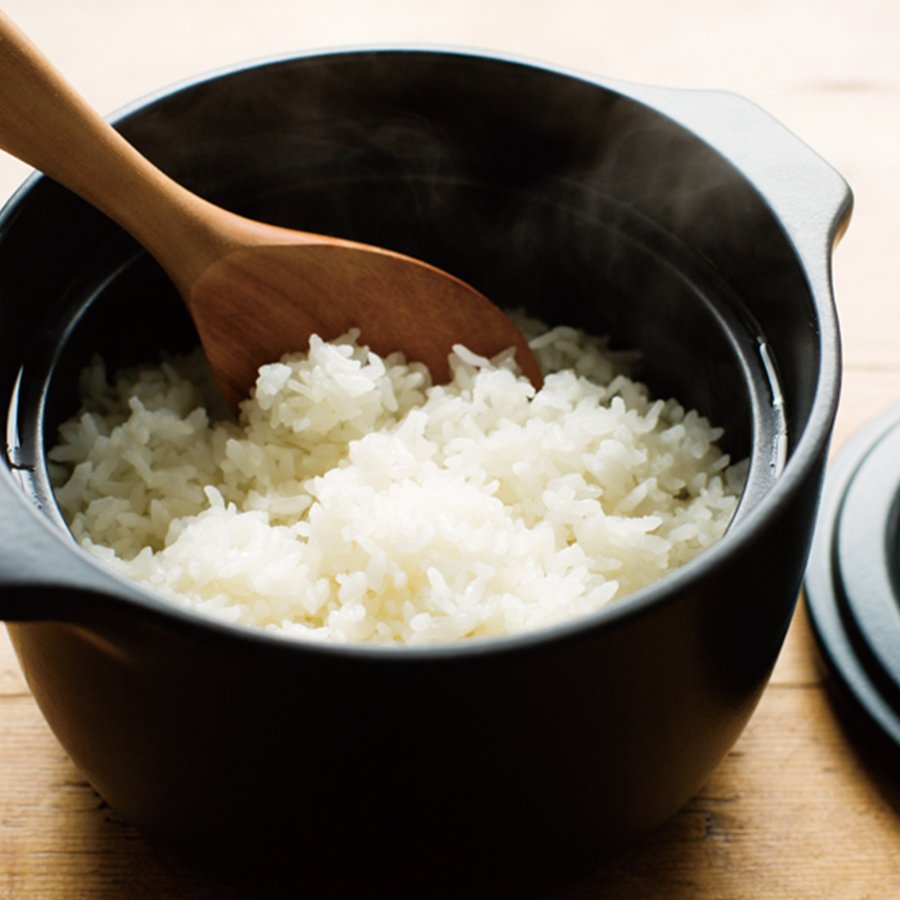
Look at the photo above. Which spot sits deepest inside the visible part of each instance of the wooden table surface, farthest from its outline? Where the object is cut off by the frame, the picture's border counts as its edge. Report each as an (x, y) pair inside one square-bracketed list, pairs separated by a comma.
[(794, 810)]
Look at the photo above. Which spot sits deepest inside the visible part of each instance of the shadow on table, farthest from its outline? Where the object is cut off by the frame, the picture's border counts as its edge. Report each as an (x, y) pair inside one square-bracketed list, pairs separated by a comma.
[(116, 860), (877, 755), (126, 864)]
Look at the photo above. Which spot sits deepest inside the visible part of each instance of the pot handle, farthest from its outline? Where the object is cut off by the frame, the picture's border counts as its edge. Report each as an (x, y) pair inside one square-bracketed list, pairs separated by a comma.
[(43, 574), (806, 194)]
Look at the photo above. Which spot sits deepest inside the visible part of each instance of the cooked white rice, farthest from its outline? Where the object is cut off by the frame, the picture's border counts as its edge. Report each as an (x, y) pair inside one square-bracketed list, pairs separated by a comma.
[(357, 502)]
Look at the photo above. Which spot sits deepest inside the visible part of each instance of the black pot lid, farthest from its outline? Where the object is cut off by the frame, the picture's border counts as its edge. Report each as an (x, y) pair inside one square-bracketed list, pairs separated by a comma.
[(853, 578)]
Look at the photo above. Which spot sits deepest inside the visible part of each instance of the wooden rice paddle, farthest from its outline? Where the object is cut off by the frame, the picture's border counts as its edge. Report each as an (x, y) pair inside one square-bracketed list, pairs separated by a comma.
[(255, 291)]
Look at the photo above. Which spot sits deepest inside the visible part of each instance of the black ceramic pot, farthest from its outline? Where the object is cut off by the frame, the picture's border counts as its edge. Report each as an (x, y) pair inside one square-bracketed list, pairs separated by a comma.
[(688, 225)]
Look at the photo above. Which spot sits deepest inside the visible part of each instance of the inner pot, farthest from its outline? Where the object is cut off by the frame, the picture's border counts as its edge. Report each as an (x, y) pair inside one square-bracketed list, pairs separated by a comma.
[(572, 200)]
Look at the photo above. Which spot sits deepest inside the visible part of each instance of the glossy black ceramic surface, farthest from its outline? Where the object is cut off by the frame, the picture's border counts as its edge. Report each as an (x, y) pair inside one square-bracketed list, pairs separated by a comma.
[(852, 585)]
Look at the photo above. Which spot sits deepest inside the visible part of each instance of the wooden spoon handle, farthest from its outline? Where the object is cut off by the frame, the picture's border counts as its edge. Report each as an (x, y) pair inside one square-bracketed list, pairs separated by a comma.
[(47, 124)]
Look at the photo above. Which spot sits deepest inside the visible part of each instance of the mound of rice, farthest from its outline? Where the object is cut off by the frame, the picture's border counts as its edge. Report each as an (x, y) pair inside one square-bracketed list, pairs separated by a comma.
[(355, 501)]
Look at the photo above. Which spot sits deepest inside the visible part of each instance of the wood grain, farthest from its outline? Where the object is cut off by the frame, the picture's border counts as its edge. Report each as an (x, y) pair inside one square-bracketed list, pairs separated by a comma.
[(797, 809)]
